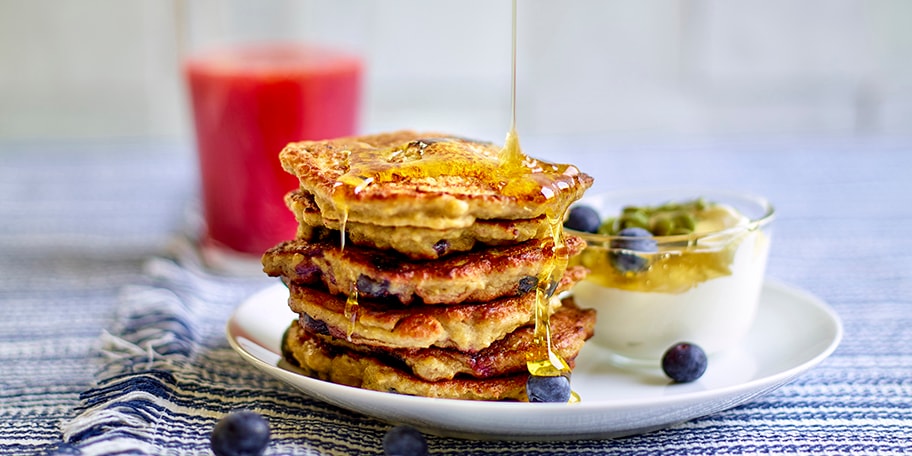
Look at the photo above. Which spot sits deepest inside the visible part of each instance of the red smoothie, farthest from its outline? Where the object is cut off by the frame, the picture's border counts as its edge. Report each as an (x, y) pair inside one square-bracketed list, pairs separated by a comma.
[(248, 103)]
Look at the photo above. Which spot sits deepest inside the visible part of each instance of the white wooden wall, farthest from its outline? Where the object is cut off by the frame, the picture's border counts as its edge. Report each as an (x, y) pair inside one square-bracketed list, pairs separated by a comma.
[(109, 68)]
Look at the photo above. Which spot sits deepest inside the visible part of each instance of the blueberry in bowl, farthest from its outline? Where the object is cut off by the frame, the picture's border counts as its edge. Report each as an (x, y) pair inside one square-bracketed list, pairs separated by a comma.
[(627, 247)]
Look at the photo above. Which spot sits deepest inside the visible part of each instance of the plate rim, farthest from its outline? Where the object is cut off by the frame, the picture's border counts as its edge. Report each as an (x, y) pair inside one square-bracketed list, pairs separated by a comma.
[(744, 391)]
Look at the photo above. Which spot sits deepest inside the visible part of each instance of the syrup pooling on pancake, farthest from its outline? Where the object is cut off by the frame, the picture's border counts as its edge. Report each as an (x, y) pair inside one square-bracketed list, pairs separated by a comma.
[(426, 159)]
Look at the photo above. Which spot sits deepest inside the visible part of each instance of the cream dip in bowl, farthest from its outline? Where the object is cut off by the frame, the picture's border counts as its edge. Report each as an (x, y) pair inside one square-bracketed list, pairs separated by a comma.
[(670, 266)]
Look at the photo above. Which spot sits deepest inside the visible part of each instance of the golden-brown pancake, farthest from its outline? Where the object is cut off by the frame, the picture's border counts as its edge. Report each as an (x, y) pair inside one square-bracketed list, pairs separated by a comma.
[(570, 328), (477, 276), (429, 180), (466, 327), (361, 370)]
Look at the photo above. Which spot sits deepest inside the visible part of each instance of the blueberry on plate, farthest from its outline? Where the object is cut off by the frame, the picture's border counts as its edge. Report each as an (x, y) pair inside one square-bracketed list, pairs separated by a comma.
[(404, 440), (241, 433), (583, 218), (684, 362), (626, 245), (548, 389)]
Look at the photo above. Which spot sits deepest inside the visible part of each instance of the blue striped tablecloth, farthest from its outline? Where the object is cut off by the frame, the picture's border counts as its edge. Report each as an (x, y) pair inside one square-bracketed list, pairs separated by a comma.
[(112, 341)]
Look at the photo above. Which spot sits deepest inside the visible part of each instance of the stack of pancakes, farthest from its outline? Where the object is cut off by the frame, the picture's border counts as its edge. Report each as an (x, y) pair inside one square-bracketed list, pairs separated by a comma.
[(431, 289)]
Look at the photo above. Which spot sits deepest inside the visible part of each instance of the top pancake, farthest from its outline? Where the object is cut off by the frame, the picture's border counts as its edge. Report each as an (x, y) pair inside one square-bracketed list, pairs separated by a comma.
[(428, 180)]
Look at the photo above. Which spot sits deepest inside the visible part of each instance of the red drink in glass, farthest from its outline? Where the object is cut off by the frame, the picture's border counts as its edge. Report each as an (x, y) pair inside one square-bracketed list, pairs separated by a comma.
[(248, 103)]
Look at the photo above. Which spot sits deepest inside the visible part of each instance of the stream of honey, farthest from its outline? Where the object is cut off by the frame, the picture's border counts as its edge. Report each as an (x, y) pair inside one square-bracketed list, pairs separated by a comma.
[(544, 361), (511, 173)]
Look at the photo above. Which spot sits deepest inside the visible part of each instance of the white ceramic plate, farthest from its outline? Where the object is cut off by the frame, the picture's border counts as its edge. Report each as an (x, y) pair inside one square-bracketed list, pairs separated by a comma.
[(794, 331)]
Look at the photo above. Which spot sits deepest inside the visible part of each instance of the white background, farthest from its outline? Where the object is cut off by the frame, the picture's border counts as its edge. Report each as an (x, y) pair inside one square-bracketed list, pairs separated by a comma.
[(110, 68)]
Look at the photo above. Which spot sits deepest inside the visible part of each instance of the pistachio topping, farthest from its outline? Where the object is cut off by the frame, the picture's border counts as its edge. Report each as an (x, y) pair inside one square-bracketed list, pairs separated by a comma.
[(673, 218)]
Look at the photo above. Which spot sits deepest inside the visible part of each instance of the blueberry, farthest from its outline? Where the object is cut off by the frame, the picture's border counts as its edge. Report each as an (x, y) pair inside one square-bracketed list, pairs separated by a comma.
[(637, 239), (307, 272), (313, 325), (241, 433), (527, 284), (684, 362), (441, 247), (404, 440), (583, 218), (624, 247), (548, 389), (372, 288)]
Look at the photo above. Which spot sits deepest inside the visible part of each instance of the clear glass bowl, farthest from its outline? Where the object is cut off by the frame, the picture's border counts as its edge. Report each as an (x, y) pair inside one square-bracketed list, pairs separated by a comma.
[(702, 287)]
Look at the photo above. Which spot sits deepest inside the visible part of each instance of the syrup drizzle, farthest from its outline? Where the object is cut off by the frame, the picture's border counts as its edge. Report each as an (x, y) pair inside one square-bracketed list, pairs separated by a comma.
[(509, 172), (351, 311), (544, 361)]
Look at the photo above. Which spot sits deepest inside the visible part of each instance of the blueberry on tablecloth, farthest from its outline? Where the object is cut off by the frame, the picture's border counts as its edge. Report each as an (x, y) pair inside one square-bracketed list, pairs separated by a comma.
[(404, 440), (242, 433)]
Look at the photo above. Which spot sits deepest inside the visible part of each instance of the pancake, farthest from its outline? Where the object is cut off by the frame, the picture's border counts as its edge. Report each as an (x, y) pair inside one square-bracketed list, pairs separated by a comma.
[(570, 328), (466, 327), (445, 242), (428, 180), (360, 370), (416, 242), (477, 276)]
